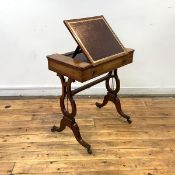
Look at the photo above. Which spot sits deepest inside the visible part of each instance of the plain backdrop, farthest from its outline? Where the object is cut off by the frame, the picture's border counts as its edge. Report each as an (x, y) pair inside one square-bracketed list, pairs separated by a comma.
[(32, 29)]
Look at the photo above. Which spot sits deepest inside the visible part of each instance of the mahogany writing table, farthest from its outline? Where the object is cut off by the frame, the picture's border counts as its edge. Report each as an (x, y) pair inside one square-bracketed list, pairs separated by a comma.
[(86, 63)]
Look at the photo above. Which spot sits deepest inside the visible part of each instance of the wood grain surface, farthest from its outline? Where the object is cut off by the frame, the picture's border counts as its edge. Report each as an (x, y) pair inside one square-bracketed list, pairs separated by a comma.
[(83, 71), (146, 147)]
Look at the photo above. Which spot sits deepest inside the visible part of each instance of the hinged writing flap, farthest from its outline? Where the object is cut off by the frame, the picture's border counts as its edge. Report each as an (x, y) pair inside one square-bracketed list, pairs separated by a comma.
[(96, 39)]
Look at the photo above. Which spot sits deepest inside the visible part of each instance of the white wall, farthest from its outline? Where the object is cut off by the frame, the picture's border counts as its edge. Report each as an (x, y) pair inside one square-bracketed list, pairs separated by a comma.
[(32, 29)]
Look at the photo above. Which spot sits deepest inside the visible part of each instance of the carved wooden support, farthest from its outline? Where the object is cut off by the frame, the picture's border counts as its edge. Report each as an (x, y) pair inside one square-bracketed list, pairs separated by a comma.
[(69, 117), (112, 95), (67, 95)]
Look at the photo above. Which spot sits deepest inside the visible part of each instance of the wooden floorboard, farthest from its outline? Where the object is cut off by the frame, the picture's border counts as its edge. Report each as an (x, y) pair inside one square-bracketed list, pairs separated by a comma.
[(146, 147)]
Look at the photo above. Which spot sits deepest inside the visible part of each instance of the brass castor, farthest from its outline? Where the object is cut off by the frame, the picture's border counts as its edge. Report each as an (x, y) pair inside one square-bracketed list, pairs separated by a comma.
[(129, 121), (54, 128), (89, 150)]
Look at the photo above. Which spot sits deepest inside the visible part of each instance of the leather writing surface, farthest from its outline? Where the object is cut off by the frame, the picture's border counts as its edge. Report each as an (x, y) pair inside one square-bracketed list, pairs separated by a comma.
[(96, 38)]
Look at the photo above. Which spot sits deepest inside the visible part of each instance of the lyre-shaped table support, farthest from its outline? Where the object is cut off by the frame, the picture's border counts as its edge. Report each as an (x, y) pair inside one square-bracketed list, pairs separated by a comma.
[(112, 95), (69, 117)]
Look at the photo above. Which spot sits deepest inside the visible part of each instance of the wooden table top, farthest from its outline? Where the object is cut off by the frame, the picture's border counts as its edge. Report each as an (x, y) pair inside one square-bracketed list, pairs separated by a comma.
[(82, 71)]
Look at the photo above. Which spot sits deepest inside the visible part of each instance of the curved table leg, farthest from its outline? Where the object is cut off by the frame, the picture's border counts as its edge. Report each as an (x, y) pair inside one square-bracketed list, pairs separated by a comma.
[(78, 137), (69, 117), (105, 101), (119, 110), (59, 129), (75, 129), (112, 96)]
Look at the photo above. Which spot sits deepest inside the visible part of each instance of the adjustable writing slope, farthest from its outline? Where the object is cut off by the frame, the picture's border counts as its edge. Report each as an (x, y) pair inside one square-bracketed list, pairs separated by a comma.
[(99, 51), (96, 39)]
